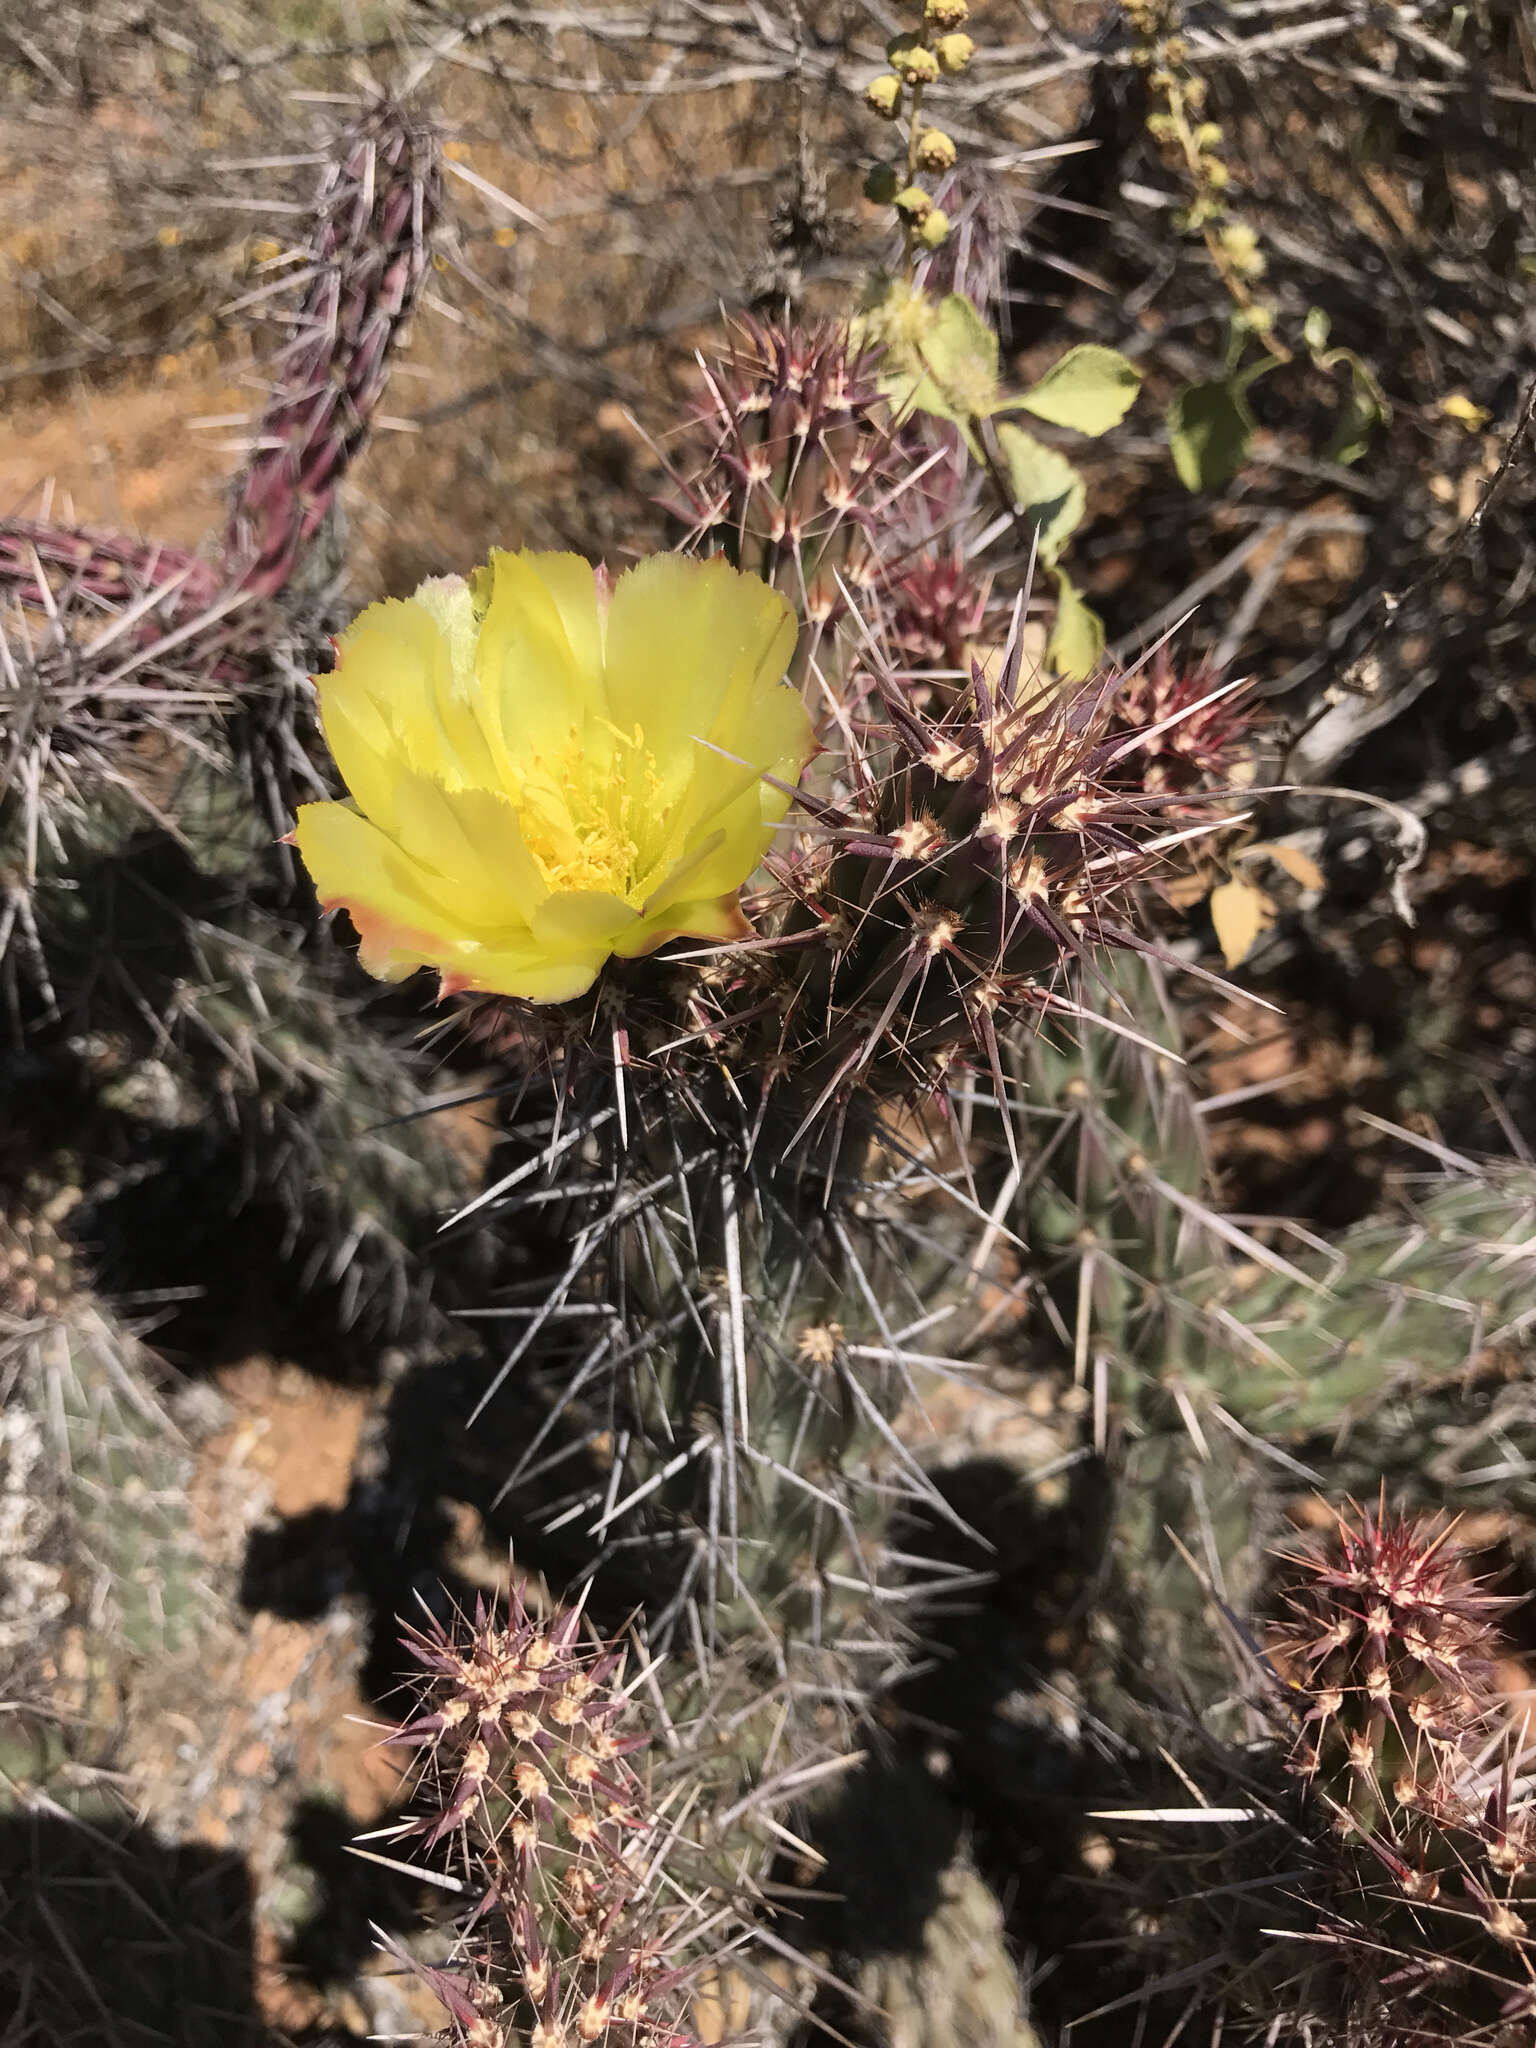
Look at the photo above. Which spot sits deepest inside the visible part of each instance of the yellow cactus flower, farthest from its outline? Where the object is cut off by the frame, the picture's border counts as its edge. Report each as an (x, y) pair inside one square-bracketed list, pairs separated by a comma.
[(546, 768)]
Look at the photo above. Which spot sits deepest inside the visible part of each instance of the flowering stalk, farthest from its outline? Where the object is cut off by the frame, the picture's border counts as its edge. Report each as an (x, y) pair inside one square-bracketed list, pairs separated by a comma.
[(918, 60)]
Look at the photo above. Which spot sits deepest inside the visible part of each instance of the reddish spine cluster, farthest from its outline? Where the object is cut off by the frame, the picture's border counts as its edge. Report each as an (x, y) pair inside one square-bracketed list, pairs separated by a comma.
[(524, 1766), (1194, 743), (934, 609), (1401, 1733), (979, 849), (1388, 1642), (786, 463)]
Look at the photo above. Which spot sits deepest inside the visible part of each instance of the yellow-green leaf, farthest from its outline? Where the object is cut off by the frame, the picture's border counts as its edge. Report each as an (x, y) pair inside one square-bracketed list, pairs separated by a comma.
[(1241, 914), (1047, 490), (1210, 430), (1077, 640), (959, 352), (1090, 389)]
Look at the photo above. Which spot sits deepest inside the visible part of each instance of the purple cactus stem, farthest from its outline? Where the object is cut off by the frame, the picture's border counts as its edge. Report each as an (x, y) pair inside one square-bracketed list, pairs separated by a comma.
[(374, 212), (378, 199)]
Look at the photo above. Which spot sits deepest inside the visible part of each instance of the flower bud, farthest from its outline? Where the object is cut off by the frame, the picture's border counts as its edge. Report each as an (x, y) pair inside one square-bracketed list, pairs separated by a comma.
[(934, 228), (954, 53), (882, 96), (935, 151), (882, 184), (1240, 246), (946, 14), (912, 60), (914, 205)]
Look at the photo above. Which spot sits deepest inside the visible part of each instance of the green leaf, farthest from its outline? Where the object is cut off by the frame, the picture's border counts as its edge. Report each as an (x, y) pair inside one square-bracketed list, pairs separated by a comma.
[(1077, 640), (1362, 412), (1047, 490), (1091, 389), (1210, 430), (945, 365), (960, 354)]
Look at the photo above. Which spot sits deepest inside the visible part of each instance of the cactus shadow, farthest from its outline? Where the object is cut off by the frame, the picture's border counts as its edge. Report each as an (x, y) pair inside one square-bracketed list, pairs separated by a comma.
[(352, 1897), (1007, 1702), (109, 1934), (429, 1525), (152, 1100)]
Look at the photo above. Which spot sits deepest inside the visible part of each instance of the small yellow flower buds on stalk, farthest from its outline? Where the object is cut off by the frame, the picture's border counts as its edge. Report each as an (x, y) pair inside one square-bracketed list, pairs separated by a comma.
[(1192, 147), (935, 152), (919, 58), (954, 53), (911, 59)]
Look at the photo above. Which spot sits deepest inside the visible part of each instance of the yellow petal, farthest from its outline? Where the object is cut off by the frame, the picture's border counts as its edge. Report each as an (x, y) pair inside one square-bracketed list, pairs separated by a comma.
[(683, 637), (535, 695), (572, 585), (715, 921), (526, 971), (368, 758), (469, 851), (720, 862), (356, 868), (383, 673), (771, 729), (577, 920)]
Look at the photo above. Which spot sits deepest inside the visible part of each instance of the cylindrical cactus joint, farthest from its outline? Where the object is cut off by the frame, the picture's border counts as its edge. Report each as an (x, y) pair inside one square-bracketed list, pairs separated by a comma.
[(525, 1767)]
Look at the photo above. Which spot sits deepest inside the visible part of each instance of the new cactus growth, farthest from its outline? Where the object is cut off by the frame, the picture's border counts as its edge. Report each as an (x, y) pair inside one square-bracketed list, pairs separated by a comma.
[(527, 1766), (784, 464), (1387, 1647), (1202, 738), (1385, 1897)]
